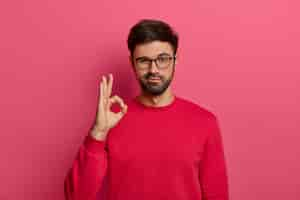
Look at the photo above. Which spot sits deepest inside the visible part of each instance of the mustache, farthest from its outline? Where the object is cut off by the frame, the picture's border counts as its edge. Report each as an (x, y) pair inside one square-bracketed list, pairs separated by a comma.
[(150, 75)]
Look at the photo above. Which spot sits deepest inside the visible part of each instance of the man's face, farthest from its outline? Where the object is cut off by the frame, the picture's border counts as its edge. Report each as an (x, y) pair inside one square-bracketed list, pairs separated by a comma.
[(153, 79)]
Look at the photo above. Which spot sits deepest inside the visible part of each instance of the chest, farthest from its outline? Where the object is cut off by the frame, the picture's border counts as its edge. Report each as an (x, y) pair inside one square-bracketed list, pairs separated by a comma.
[(157, 143)]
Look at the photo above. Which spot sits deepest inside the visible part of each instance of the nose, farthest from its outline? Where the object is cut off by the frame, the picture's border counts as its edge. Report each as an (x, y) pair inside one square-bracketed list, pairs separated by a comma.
[(153, 67)]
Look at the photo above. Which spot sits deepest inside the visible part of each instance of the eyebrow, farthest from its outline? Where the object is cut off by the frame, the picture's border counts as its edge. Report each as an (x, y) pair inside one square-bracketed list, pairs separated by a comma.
[(145, 57)]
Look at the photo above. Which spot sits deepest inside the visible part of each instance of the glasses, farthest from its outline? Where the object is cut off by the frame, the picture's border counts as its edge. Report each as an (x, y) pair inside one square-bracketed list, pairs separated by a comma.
[(162, 62)]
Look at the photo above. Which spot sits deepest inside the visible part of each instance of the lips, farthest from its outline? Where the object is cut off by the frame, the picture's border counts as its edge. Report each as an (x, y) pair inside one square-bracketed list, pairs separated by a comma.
[(154, 79)]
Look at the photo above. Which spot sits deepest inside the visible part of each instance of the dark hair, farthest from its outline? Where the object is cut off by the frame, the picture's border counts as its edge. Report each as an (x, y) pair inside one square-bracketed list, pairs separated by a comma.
[(149, 30)]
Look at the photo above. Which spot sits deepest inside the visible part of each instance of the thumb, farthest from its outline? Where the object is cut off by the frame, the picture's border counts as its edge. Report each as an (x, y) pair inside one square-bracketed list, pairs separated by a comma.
[(123, 111)]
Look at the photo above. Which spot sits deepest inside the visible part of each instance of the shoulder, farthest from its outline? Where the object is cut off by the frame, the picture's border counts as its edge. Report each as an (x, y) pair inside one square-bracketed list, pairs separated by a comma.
[(191, 107), (199, 117)]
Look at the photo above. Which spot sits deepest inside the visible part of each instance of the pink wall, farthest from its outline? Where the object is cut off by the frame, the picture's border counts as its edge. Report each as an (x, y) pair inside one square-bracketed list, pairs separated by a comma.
[(240, 59)]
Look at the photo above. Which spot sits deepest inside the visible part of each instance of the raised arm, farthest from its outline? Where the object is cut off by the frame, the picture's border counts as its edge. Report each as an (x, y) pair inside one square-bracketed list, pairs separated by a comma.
[(88, 170)]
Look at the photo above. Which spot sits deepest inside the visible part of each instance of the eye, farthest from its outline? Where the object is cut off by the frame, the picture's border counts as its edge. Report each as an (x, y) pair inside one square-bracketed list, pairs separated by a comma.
[(143, 60), (163, 59)]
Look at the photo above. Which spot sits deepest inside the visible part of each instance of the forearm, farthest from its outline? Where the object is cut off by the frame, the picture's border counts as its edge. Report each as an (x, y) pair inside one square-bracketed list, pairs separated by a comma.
[(85, 177)]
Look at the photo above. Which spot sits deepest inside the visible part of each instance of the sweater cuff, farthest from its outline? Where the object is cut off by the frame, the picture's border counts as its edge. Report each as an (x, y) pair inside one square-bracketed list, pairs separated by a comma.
[(93, 145)]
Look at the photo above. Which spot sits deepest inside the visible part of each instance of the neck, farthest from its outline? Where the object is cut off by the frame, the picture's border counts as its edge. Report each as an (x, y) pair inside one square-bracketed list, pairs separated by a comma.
[(157, 101)]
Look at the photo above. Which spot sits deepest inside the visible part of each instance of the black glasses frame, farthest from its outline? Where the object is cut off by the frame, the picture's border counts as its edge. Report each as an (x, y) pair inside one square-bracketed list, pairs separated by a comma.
[(155, 60)]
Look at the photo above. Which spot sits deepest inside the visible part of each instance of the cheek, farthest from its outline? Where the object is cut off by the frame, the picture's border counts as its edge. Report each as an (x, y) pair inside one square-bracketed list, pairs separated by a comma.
[(167, 74), (140, 75)]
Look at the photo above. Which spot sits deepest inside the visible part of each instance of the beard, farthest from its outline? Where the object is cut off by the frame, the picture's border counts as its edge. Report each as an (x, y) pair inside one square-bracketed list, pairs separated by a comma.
[(155, 88)]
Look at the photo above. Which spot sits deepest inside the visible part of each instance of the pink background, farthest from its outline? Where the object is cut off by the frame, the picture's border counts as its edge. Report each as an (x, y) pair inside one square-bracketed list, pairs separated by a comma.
[(240, 59)]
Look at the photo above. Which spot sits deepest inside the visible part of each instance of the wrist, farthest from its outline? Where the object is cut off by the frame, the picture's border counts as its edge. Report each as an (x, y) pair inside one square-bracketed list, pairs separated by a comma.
[(97, 134)]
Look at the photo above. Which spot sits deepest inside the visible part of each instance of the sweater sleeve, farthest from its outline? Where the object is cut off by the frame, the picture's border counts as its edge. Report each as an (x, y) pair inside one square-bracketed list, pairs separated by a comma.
[(86, 175), (213, 172)]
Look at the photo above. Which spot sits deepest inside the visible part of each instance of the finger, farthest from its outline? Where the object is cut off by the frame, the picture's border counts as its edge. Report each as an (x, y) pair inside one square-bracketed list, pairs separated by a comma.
[(112, 100), (105, 90), (101, 96), (105, 99), (120, 101), (109, 87), (123, 105), (124, 109), (116, 99)]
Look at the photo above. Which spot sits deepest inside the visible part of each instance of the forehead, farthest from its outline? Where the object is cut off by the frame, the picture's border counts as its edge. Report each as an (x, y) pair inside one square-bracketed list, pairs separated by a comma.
[(152, 49)]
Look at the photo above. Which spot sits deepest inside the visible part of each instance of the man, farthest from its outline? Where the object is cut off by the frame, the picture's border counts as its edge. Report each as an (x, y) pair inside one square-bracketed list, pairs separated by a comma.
[(159, 146)]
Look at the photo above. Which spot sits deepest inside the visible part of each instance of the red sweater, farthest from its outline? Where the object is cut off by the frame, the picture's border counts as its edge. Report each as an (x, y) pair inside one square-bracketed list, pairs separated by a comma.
[(173, 152)]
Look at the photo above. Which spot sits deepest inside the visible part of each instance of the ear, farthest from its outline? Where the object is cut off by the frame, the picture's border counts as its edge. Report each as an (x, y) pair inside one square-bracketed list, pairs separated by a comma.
[(131, 60), (176, 60)]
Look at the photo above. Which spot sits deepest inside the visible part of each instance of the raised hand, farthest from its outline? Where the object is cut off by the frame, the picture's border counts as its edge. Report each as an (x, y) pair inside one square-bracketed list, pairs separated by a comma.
[(105, 118)]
